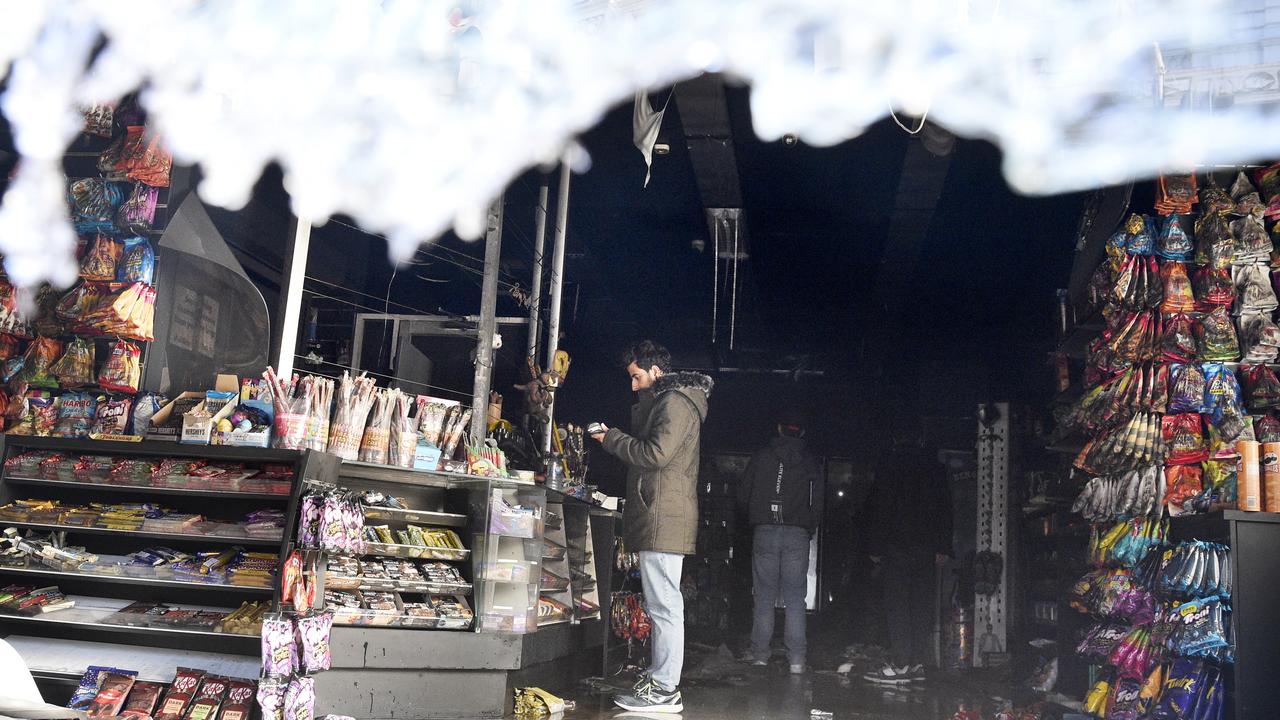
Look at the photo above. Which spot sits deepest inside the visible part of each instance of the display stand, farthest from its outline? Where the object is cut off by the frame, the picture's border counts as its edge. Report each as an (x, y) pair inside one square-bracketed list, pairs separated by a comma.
[(51, 643), (399, 670), (554, 591), (1255, 603)]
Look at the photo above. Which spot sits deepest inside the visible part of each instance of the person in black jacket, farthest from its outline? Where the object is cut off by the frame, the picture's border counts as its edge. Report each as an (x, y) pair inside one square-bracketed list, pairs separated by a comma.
[(908, 521), (782, 494)]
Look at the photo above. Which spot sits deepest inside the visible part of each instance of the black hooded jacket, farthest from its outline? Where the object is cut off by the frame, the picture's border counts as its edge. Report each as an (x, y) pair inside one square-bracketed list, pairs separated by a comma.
[(783, 485)]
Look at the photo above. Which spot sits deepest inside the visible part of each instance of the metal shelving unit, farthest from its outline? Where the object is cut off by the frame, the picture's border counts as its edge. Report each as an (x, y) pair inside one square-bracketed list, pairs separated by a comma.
[(146, 490), (180, 537)]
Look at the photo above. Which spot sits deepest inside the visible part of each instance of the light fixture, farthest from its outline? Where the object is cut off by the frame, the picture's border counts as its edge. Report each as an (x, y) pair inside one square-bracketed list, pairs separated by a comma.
[(790, 139)]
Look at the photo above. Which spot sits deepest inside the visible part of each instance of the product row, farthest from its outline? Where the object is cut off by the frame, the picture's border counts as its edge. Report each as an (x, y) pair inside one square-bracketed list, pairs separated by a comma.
[(265, 524), (231, 566), (191, 695), (390, 574), (369, 607), (169, 473)]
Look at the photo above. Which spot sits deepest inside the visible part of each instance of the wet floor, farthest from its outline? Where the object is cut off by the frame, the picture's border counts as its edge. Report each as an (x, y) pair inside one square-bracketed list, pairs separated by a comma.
[(745, 693)]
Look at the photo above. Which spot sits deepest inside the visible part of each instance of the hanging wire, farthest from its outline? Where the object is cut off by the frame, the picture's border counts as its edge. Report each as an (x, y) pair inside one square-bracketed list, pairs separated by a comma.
[(389, 378), (715, 283), (733, 307), (367, 295), (908, 130)]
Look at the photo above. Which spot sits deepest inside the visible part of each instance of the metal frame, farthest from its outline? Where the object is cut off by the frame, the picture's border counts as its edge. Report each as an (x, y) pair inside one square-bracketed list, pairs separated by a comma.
[(991, 611), (398, 319)]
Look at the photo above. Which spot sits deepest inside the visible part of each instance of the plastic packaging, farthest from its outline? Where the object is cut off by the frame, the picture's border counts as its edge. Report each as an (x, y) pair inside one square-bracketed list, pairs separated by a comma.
[(1249, 476)]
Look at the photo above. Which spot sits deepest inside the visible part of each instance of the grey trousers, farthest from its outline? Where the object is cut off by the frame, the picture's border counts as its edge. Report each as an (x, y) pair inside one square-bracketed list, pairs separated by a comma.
[(780, 565), (660, 576)]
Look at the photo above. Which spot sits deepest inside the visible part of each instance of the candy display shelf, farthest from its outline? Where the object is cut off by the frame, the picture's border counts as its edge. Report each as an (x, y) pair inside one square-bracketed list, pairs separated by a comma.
[(145, 490), (98, 595), (181, 537), (54, 576)]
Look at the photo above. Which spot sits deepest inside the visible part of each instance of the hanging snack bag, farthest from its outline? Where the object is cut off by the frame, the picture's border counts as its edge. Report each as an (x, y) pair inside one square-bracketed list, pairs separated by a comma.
[(1224, 400), (1254, 291), (314, 633), (1253, 242), (1213, 286), (143, 159), (279, 653), (1215, 245), (138, 214), (1182, 482), (102, 260), (1184, 439), (138, 263), (1142, 235), (1175, 193), (38, 362), (403, 441), (1186, 389), (1215, 200), (93, 204), (75, 368), (271, 691), (300, 699), (1178, 296), (112, 417), (1216, 337), (99, 119), (9, 346), (1181, 689), (1178, 343), (1174, 242), (123, 369)]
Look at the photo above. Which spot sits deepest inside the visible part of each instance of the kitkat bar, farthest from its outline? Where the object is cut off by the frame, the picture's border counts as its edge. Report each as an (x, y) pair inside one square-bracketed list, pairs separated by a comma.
[(115, 688), (142, 700), (175, 702), (207, 700), (239, 702)]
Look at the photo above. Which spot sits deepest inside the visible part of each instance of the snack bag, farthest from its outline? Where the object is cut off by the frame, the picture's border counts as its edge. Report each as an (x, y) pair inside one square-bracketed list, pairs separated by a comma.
[(76, 411), (1186, 389), (1181, 689), (93, 204), (1216, 337), (38, 362), (1183, 482), (9, 346), (1178, 296), (138, 214), (112, 417), (1213, 286), (102, 260), (1178, 343), (314, 633), (300, 699), (271, 692), (75, 368), (279, 653), (123, 369), (143, 159), (147, 404), (1174, 242), (138, 263), (98, 119), (1184, 439), (1215, 246)]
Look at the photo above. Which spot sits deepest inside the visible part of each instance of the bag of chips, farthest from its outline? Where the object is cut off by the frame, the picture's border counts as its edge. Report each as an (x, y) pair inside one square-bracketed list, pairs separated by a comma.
[(1215, 200), (1215, 245), (1253, 289), (143, 159), (1216, 337), (1213, 286), (1252, 241), (38, 362), (123, 369), (1224, 402), (1175, 194), (1263, 387), (112, 417), (1259, 338), (93, 204), (139, 262), (1178, 296), (1178, 343), (1174, 242), (1184, 439), (1186, 389), (98, 119), (101, 262), (137, 215), (75, 368), (1181, 689)]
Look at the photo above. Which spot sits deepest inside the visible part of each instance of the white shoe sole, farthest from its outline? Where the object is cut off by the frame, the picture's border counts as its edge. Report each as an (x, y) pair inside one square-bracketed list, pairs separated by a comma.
[(659, 709), (888, 681)]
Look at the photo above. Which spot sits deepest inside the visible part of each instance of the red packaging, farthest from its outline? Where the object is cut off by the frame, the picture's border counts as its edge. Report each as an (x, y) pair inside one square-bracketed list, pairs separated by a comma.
[(142, 700), (239, 702), (205, 704), (1182, 483), (1184, 438), (180, 693), (115, 688)]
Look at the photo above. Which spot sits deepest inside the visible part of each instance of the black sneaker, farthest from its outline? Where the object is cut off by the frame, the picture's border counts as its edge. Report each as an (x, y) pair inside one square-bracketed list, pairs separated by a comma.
[(650, 698), (891, 675)]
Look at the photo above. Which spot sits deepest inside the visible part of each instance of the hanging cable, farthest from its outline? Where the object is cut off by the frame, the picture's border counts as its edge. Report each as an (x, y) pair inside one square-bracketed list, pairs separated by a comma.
[(908, 130), (715, 282), (733, 308)]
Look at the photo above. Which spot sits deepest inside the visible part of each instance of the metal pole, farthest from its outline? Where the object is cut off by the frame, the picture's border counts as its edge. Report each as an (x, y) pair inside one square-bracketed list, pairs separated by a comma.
[(539, 241), (487, 326), (557, 292), (295, 271)]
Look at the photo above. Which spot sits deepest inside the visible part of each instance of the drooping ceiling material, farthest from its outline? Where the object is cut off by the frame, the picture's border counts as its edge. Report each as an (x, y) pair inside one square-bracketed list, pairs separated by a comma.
[(708, 134)]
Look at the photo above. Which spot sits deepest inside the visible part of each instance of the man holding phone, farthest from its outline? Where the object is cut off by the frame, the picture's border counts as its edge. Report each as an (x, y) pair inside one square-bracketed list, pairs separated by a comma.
[(661, 517)]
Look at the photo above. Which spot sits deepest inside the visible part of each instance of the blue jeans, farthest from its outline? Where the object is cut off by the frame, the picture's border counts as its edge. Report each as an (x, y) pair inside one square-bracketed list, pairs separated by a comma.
[(780, 567), (660, 577)]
